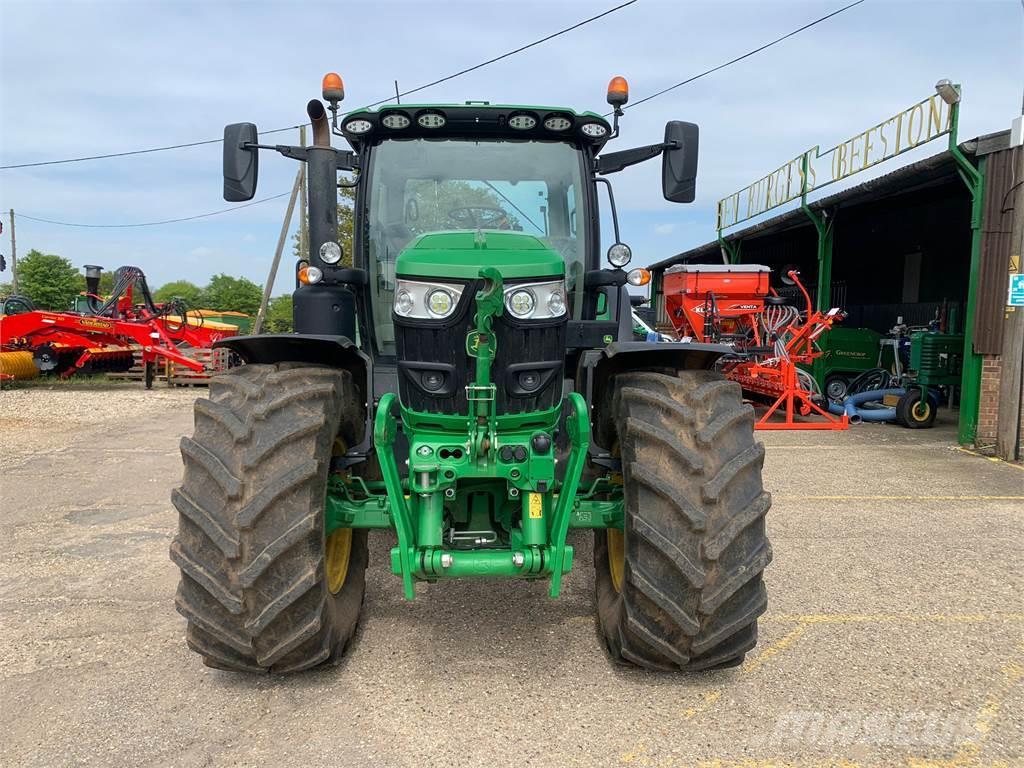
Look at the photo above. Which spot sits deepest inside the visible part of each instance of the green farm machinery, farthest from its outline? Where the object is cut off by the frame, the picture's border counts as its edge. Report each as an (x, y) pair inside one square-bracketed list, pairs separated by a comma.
[(471, 384)]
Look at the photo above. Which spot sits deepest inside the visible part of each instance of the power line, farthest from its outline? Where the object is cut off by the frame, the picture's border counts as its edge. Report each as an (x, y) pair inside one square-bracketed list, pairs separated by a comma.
[(153, 223), (746, 55), (134, 151), (374, 104), (505, 55)]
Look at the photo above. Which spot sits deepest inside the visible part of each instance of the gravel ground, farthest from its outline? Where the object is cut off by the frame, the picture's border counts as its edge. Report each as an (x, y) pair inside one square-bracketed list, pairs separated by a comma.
[(894, 635), (39, 419)]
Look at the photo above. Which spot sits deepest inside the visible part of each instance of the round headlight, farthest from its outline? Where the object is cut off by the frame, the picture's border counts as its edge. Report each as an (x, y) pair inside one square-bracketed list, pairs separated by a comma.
[(522, 122), (330, 252), (522, 303), (430, 120), (440, 303), (403, 302), (558, 123), (594, 130), (358, 126), (556, 303), (395, 120), (619, 255)]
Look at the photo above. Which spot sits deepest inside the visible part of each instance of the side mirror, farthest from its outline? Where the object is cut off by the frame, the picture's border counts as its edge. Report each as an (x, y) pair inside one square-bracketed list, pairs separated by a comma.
[(679, 165), (241, 162)]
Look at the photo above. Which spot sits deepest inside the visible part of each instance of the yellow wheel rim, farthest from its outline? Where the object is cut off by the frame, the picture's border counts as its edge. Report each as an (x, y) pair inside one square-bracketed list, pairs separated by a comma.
[(921, 411), (339, 550), (616, 556)]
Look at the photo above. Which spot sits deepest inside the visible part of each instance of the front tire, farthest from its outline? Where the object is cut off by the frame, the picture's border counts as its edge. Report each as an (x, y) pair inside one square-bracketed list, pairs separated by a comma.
[(911, 412), (259, 586), (689, 588)]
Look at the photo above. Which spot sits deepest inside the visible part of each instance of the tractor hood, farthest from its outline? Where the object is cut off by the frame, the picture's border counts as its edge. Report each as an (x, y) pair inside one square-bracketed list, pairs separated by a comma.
[(461, 254)]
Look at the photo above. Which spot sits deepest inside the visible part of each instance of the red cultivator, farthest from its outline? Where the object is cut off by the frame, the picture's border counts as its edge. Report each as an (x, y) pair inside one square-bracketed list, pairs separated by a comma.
[(104, 339), (733, 304)]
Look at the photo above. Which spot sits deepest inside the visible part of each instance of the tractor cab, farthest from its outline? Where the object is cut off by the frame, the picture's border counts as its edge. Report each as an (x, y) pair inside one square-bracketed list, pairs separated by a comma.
[(446, 189)]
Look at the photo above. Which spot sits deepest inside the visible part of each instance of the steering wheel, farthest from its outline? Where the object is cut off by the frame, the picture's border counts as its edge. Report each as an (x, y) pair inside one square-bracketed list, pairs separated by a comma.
[(478, 217)]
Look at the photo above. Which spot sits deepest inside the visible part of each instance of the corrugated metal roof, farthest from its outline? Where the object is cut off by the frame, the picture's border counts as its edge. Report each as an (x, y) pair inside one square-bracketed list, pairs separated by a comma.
[(930, 171)]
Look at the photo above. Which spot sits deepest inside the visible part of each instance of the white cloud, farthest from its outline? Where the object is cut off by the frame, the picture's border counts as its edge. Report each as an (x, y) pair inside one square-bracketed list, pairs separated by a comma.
[(664, 229)]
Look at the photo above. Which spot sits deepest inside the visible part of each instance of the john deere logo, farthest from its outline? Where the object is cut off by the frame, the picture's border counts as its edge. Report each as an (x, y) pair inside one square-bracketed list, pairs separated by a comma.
[(473, 343)]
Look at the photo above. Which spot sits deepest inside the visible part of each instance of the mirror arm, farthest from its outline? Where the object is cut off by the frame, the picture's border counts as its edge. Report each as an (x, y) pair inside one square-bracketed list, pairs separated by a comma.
[(347, 159), (611, 203), (616, 161)]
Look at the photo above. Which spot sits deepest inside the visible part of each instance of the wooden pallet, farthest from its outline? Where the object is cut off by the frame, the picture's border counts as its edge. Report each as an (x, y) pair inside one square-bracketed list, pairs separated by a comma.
[(172, 374)]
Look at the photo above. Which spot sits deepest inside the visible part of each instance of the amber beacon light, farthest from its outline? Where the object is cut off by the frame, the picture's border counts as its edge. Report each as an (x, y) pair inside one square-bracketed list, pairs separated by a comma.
[(618, 91)]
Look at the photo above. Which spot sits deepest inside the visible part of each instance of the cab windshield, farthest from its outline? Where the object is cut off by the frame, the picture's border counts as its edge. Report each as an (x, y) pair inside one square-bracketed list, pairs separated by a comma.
[(431, 185)]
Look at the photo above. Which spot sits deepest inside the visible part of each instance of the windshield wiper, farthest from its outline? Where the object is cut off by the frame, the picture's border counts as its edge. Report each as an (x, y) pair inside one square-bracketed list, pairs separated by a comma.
[(520, 210)]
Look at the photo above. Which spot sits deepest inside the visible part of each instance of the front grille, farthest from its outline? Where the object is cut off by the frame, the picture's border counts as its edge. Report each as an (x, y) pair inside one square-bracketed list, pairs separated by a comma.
[(526, 351)]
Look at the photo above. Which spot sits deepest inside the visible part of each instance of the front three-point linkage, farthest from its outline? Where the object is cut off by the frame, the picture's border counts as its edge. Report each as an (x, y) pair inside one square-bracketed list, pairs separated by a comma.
[(482, 345)]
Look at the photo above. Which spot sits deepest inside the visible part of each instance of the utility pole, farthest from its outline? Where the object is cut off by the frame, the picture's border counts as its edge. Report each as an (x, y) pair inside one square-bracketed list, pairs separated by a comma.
[(303, 222), (1011, 379), (285, 226), (14, 258)]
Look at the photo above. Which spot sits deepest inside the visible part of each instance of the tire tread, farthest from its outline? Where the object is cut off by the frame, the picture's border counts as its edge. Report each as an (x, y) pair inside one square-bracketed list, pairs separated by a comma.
[(696, 545)]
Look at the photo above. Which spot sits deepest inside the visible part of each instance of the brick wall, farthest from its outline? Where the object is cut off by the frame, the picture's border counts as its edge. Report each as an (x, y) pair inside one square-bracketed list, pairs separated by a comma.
[(988, 411)]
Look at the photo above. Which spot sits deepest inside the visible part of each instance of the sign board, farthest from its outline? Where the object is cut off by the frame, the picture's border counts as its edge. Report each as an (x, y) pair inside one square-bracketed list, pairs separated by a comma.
[(1016, 297), (813, 169)]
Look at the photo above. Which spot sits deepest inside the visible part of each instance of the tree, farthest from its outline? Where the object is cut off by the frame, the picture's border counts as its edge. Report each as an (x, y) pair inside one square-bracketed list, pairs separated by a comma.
[(180, 289), (346, 219), (106, 283), (433, 201), (49, 280), (279, 315), (233, 294)]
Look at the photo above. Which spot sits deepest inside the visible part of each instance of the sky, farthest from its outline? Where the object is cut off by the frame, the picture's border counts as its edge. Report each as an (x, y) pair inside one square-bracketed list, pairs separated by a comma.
[(84, 78)]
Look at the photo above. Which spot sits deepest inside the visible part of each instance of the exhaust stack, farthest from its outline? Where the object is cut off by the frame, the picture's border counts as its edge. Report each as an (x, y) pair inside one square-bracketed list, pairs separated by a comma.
[(318, 118)]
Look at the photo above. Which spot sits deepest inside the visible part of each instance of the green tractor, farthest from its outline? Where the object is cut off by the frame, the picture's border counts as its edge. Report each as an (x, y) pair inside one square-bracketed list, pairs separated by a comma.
[(471, 384)]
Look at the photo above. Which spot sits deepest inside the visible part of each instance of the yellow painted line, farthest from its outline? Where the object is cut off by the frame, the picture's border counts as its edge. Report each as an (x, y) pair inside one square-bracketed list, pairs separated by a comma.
[(709, 698), (641, 756), (1011, 674), (751, 762), (953, 762), (807, 447), (879, 497), (773, 447), (968, 756), (893, 618), (638, 755), (995, 459), (706, 701), (773, 650)]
